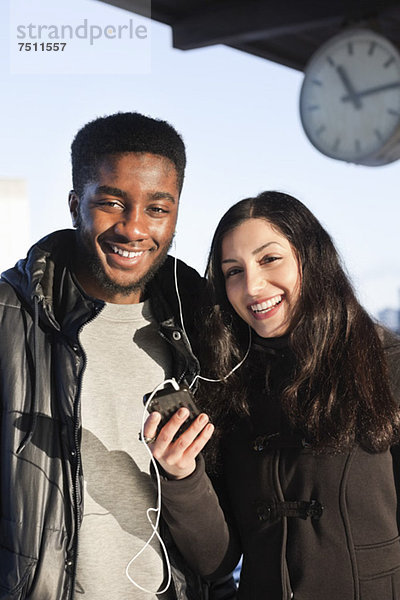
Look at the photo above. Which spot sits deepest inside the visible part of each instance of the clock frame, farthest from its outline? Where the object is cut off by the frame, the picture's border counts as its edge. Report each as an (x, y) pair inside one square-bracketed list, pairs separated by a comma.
[(350, 98)]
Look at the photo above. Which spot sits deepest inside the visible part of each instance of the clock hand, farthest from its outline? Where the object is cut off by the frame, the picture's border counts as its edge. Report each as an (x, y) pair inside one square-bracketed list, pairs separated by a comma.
[(369, 91), (352, 94)]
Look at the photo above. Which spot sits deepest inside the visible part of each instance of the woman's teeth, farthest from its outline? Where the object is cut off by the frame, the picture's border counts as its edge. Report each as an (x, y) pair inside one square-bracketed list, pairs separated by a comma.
[(266, 306)]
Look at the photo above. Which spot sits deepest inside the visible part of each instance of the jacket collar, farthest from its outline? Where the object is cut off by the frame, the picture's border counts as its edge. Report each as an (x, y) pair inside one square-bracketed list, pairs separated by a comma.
[(45, 274)]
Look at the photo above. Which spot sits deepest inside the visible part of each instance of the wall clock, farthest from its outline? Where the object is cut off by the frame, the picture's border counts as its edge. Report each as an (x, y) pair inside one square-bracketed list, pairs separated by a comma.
[(350, 98)]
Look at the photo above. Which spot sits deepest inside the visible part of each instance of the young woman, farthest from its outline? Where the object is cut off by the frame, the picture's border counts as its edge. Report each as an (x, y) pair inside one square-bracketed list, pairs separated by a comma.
[(301, 455)]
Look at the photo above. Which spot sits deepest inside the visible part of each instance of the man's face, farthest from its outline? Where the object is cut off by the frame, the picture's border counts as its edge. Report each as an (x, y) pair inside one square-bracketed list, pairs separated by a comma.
[(125, 223)]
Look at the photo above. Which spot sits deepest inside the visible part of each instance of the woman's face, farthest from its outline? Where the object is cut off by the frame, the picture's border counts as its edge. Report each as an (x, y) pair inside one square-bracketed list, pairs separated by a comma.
[(262, 276)]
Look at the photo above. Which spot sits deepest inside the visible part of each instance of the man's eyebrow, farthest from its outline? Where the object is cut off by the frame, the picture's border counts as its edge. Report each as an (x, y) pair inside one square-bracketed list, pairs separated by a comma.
[(118, 193), (162, 196), (111, 191)]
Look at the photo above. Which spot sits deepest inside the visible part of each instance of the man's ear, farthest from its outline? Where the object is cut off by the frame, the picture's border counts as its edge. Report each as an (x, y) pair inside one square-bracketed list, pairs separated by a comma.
[(73, 202)]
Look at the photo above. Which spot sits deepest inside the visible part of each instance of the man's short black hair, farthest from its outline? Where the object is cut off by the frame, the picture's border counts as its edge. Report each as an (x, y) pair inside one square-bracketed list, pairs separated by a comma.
[(121, 133)]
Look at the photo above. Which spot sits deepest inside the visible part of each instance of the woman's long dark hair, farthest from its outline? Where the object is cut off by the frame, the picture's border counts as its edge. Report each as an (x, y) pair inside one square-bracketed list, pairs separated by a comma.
[(339, 395)]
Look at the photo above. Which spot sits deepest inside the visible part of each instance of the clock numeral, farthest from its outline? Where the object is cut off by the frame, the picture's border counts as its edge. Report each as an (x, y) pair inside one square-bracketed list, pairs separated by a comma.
[(331, 61), (357, 146), (350, 47), (316, 82), (336, 145), (389, 62), (378, 134), (372, 48), (393, 112), (320, 130), (313, 107)]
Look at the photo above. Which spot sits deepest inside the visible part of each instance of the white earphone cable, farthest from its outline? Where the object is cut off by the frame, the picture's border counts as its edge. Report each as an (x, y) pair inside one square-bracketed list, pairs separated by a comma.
[(184, 330), (156, 510)]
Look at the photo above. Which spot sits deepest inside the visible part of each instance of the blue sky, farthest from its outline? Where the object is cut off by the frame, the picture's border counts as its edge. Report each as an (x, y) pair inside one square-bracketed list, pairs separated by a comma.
[(238, 115)]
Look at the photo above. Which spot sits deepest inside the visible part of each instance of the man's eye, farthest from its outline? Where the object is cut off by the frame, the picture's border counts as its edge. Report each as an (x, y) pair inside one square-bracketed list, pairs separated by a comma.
[(158, 210), (110, 204)]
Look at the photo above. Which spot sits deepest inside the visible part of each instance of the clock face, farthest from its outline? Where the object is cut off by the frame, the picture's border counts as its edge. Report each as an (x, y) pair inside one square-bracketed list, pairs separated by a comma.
[(350, 98)]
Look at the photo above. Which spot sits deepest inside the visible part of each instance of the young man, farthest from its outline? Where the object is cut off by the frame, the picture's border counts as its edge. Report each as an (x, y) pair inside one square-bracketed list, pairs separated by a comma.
[(89, 324)]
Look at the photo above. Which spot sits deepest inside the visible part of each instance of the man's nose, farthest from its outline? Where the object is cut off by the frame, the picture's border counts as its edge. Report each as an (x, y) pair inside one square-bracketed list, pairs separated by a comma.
[(132, 225)]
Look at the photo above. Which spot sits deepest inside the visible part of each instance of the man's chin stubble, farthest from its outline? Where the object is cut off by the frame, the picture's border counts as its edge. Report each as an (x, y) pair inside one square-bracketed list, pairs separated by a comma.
[(111, 287), (95, 268)]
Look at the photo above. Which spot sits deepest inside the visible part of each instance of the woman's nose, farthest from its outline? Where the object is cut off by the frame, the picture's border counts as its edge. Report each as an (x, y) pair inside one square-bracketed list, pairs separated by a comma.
[(255, 282)]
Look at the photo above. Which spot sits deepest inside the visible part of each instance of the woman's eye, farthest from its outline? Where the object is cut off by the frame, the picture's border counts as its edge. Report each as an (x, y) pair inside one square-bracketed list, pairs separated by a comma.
[(232, 272), (269, 259)]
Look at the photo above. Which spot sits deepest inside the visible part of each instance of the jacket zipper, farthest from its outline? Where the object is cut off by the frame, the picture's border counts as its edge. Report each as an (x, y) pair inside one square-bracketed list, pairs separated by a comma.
[(76, 479)]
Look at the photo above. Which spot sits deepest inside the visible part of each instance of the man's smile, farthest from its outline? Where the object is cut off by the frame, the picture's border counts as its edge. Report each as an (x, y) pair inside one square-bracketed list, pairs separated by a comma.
[(126, 253)]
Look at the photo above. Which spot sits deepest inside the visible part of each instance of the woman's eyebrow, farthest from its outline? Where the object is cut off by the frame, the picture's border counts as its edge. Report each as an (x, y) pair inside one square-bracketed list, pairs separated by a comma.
[(254, 252), (257, 250)]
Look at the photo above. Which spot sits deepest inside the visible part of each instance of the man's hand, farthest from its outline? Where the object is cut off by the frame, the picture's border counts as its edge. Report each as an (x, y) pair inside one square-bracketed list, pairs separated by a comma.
[(178, 458)]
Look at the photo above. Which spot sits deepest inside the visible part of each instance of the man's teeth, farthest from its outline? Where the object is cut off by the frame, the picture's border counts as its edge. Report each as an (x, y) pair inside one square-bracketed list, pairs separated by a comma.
[(266, 306), (125, 253)]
